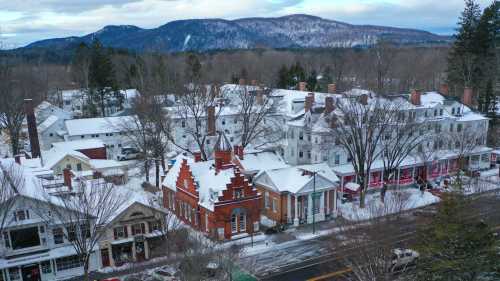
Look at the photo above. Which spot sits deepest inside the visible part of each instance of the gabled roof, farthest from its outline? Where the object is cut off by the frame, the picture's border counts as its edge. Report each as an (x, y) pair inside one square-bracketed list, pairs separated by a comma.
[(261, 161), (298, 179), (79, 144), (54, 156), (101, 125)]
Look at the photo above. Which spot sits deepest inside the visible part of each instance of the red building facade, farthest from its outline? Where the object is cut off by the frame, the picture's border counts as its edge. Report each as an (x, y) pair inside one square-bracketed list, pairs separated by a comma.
[(213, 196)]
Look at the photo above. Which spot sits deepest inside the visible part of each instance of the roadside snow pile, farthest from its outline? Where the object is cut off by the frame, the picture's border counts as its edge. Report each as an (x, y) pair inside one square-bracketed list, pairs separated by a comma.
[(395, 201)]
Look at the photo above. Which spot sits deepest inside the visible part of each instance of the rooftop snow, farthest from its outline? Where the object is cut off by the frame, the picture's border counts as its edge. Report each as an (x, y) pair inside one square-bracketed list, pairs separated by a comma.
[(101, 125), (79, 144)]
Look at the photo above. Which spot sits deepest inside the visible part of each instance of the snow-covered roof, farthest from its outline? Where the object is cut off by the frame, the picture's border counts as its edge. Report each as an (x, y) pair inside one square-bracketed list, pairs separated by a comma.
[(101, 164), (261, 161), (53, 156), (431, 99), (100, 125), (79, 144), (51, 120), (296, 179)]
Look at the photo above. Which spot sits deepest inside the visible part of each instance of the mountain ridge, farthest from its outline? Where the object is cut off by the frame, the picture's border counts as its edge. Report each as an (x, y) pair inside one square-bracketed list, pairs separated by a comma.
[(201, 35)]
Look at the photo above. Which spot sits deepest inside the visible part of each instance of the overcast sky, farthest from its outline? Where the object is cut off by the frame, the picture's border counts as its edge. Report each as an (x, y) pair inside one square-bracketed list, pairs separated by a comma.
[(25, 21)]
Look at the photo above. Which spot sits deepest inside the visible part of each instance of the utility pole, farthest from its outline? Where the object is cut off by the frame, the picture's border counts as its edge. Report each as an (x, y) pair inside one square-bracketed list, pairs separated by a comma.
[(313, 203)]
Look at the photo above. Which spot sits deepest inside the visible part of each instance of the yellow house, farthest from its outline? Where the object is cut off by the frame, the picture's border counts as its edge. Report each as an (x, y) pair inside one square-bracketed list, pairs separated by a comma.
[(58, 160)]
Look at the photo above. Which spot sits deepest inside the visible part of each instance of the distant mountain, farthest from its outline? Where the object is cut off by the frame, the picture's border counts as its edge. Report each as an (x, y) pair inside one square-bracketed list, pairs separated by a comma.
[(294, 31)]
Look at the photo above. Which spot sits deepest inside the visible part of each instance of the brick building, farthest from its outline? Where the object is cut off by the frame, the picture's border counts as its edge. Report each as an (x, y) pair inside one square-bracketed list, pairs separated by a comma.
[(213, 196)]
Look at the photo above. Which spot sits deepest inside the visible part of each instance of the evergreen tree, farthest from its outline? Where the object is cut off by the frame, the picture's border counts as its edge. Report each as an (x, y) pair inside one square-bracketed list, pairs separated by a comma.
[(283, 78), (312, 81), (455, 246), (102, 79), (193, 69), (462, 62), (472, 60)]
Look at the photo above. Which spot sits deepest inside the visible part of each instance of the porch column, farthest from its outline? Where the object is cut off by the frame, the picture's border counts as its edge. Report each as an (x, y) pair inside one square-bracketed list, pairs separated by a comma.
[(321, 206), (399, 175), (296, 211), (413, 174), (309, 207), (327, 202), (335, 202), (288, 208), (341, 189)]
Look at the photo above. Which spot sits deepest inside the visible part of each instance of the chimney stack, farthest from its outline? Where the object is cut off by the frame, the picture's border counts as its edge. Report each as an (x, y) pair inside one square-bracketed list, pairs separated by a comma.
[(238, 151), (329, 107), (259, 98), (332, 88), (17, 158), (254, 82), (363, 99), (302, 86), (32, 130), (242, 82), (444, 89), (467, 98), (211, 120), (415, 97), (67, 178), (197, 156), (309, 102)]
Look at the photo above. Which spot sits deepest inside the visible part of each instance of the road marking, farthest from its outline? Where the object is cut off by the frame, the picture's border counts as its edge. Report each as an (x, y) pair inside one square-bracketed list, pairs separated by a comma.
[(332, 274)]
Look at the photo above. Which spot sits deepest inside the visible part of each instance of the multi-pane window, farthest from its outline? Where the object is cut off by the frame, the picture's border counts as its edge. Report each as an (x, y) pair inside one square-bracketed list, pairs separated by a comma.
[(71, 229), (14, 274), (6, 239), (234, 226), (154, 225), (68, 263), (21, 215), (46, 267), (58, 235), (243, 222), (138, 228), (120, 232), (275, 205), (266, 200)]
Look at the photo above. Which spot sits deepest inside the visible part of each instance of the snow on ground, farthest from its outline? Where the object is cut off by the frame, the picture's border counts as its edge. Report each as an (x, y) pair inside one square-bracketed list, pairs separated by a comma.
[(395, 201)]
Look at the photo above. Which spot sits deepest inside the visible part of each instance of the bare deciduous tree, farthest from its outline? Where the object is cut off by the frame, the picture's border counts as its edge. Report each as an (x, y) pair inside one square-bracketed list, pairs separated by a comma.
[(11, 183), (192, 112), (359, 128), (258, 125), (82, 214)]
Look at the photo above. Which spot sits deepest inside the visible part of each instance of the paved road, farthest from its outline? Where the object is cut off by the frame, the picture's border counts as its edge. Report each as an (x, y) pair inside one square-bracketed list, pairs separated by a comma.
[(308, 260)]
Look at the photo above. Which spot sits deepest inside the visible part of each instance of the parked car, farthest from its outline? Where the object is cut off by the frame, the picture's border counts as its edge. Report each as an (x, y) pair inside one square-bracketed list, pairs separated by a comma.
[(403, 258), (165, 274), (128, 153)]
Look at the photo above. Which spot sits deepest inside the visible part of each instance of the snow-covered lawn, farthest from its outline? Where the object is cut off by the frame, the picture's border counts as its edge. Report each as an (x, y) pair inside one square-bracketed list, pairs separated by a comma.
[(395, 201)]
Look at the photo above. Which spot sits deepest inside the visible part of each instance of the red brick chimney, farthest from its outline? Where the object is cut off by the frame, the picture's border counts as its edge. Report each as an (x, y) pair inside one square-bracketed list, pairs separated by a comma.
[(32, 130), (302, 86), (222, 153), (444, 89), (309, 102), (211, 120), (332, 88), (197, 156), (242, 82), (329, 107), (238, 151), (67, 178), (415, 97), (468, 97)]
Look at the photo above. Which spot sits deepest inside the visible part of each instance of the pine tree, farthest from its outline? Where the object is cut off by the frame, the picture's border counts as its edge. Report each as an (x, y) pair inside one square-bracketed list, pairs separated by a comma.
[(312, 81), (283, 78), (455, 246), (102, 79), (472, 60)]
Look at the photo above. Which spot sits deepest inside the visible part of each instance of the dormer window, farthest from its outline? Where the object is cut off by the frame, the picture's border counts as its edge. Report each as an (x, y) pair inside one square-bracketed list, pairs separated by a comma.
[(453, 111), (21, 215), (238, 193), (441, 112)]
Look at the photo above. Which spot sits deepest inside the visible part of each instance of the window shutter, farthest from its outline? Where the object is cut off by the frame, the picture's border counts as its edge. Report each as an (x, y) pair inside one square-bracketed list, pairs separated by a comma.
[(143, 228), (27, 214), (115, 234), (125, 230), (15, 216), (150, 226)]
